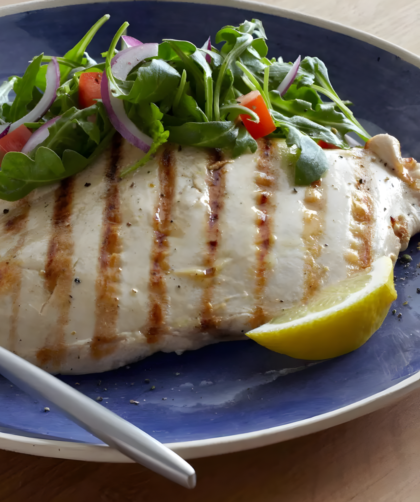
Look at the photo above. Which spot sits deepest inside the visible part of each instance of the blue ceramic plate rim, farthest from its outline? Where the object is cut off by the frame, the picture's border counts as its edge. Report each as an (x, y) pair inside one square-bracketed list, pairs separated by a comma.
[(238, 442)]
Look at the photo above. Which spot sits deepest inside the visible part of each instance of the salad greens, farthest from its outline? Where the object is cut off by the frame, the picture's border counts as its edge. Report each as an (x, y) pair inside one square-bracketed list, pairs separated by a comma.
[(186, 95)]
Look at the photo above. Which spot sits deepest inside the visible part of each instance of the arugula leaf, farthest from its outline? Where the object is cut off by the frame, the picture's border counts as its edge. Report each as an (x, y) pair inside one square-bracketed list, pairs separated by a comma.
[(180, 90), (312, 129), (312, 162), (24, 89), (154, 81), (241, 43), (74, 56), (168, 53), (278, 72), (187, 107), (200, 59), (233, 110), (21, 173), (259, 48), (148, 118), (204, 134), (184, 51), (253, 27), (5, 89), (324, 115), (322, 84), (244, 142)]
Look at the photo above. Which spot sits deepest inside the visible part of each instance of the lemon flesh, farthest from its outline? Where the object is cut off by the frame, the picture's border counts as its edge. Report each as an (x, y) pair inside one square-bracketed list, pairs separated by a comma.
[(338, 320)]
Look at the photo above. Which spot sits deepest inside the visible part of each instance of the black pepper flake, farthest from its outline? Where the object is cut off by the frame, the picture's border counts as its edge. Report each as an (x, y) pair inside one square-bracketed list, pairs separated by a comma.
[(99, 399), (294, 190), (164, 398), (5, 211), (341, 157), (394, 312), (361, 181), (132, 184), (379, 58), (128, 224), (87, 184), (399, 315), (46, 409), (418, 291), (326, 245), (77, 280), (133, 402)]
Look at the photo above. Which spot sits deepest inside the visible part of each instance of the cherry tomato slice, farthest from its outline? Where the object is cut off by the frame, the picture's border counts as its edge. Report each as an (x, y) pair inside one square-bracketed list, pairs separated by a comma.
[(14, 141), (89, 88), (327, 146), (255, 102)]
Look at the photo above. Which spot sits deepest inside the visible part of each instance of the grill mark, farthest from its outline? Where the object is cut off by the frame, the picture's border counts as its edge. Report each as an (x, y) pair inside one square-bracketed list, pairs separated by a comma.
[(362, 211), (17, 223), (264, 202), (313, 228), (10, 270), (216, 183), (107, 285), (159, 266), (59, 272)]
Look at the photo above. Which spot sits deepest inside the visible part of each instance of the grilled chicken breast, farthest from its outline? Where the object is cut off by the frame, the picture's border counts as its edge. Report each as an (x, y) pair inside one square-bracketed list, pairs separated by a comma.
[(192, 249)]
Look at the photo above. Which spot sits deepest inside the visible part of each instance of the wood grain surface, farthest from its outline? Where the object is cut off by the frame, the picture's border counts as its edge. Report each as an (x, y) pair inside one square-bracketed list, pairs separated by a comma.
[(372, 459)]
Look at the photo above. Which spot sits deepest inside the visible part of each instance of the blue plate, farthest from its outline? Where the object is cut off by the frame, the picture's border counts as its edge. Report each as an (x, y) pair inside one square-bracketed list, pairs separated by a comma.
[(237, 388)]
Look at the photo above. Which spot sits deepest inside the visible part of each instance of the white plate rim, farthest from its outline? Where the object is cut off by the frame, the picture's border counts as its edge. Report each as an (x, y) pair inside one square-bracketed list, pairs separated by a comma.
[(238, 442)]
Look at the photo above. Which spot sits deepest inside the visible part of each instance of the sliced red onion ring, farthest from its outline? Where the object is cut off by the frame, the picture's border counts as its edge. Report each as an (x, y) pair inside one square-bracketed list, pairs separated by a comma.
[(53, 82), (131, 41), (39, 135), (4, 129), (127, 59), (121, 64), (207, 46), (289, 78)]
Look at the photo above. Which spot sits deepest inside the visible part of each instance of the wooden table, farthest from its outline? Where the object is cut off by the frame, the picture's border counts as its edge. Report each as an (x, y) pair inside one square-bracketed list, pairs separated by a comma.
[(372, 459)]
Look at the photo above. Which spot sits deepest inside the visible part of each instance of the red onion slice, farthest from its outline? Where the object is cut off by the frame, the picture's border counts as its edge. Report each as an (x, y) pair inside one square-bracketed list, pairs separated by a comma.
[(207, 46), (121, 64), (131, 41), (53, 82), (4, 129), (127, 59), (39, 135), (289, 78)]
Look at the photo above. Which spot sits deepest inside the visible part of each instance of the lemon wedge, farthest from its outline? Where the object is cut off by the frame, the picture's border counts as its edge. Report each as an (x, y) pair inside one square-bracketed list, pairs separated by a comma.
[(339, 319)]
